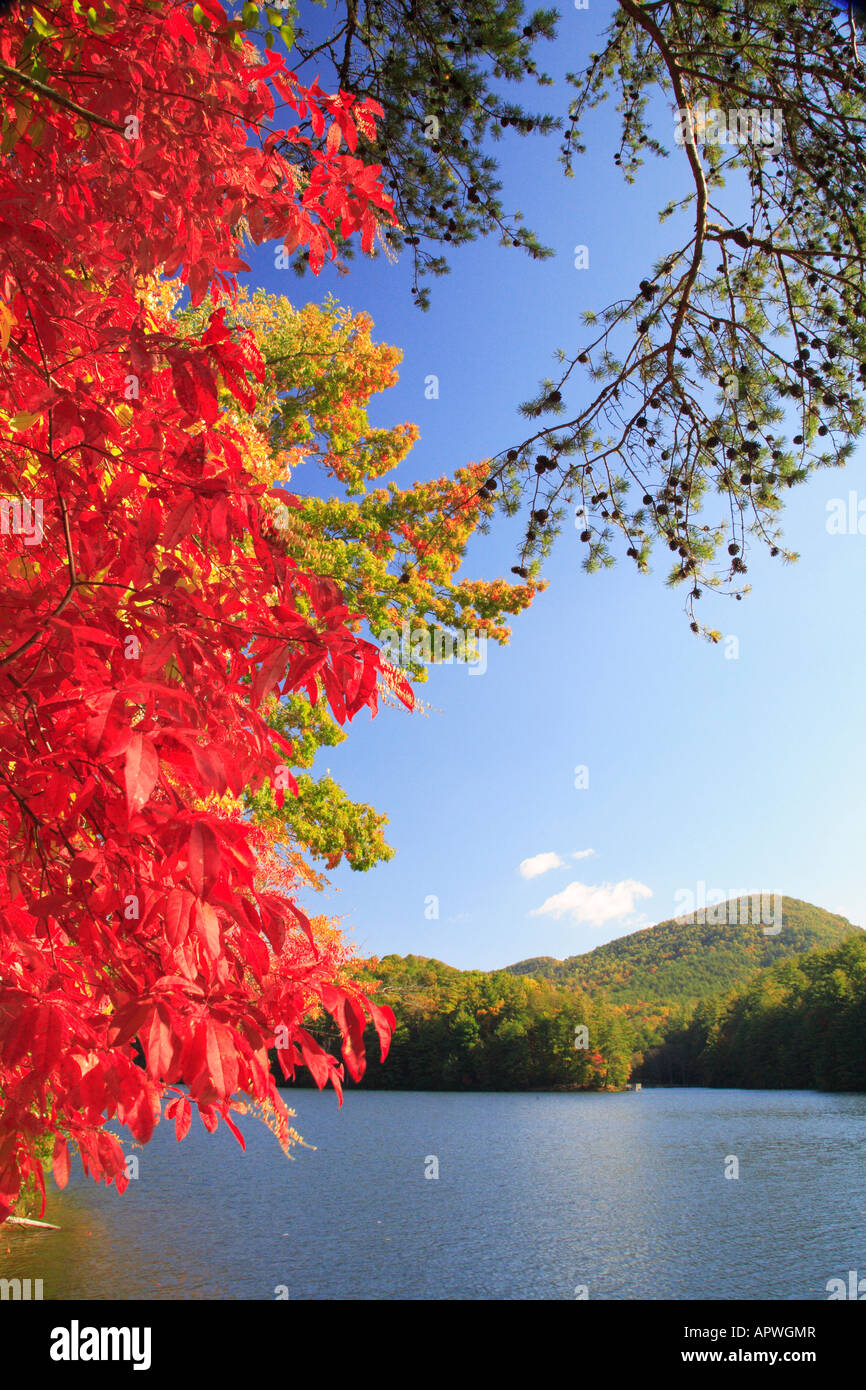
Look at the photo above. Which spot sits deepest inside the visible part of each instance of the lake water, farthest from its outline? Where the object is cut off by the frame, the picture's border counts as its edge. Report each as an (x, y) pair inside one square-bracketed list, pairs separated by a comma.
[(536, 1195)]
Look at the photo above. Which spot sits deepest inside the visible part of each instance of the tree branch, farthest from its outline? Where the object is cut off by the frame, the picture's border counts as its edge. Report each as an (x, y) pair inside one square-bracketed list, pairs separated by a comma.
[(51, 94)]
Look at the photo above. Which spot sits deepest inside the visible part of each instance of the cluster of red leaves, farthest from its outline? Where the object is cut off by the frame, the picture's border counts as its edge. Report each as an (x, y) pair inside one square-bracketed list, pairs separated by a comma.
[(140, 635)]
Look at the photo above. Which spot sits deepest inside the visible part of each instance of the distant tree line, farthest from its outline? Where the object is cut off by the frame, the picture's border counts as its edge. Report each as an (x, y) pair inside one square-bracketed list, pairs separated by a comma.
[(469, 1030), (797, 1024)]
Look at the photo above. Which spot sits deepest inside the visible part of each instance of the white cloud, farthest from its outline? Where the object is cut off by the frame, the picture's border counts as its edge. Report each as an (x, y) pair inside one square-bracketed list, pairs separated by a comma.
[(594, 903), (582, 853), (539, 864)]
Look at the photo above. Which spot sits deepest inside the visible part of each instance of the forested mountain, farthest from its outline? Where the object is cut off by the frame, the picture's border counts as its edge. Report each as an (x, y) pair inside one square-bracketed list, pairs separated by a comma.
[(682, 961), (802, 1023), (685, 1002)]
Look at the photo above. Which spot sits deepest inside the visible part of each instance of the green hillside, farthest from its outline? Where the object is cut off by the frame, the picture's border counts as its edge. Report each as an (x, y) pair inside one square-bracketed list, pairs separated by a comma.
[(800, 1024), (682, 961)]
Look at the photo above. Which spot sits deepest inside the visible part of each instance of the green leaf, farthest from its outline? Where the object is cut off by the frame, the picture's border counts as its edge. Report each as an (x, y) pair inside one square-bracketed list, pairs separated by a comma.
[(23, 420), (10, 139), (250, 14), (41, 25)]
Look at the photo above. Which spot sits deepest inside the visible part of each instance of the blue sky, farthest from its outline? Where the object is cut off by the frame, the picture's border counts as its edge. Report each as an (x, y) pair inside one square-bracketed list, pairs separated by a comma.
[(744, 773)]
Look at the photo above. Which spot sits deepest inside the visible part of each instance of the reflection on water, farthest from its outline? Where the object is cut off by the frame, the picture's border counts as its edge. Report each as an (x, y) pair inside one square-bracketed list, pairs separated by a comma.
[(536, 1196)]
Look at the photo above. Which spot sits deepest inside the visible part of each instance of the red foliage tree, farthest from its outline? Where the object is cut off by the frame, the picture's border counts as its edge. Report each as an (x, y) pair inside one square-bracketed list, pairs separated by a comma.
[(145, 611)]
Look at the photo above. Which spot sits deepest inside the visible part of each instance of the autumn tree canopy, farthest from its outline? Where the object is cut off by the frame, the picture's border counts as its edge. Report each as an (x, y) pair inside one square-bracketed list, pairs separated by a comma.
[(398, 552), (150, 611)]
